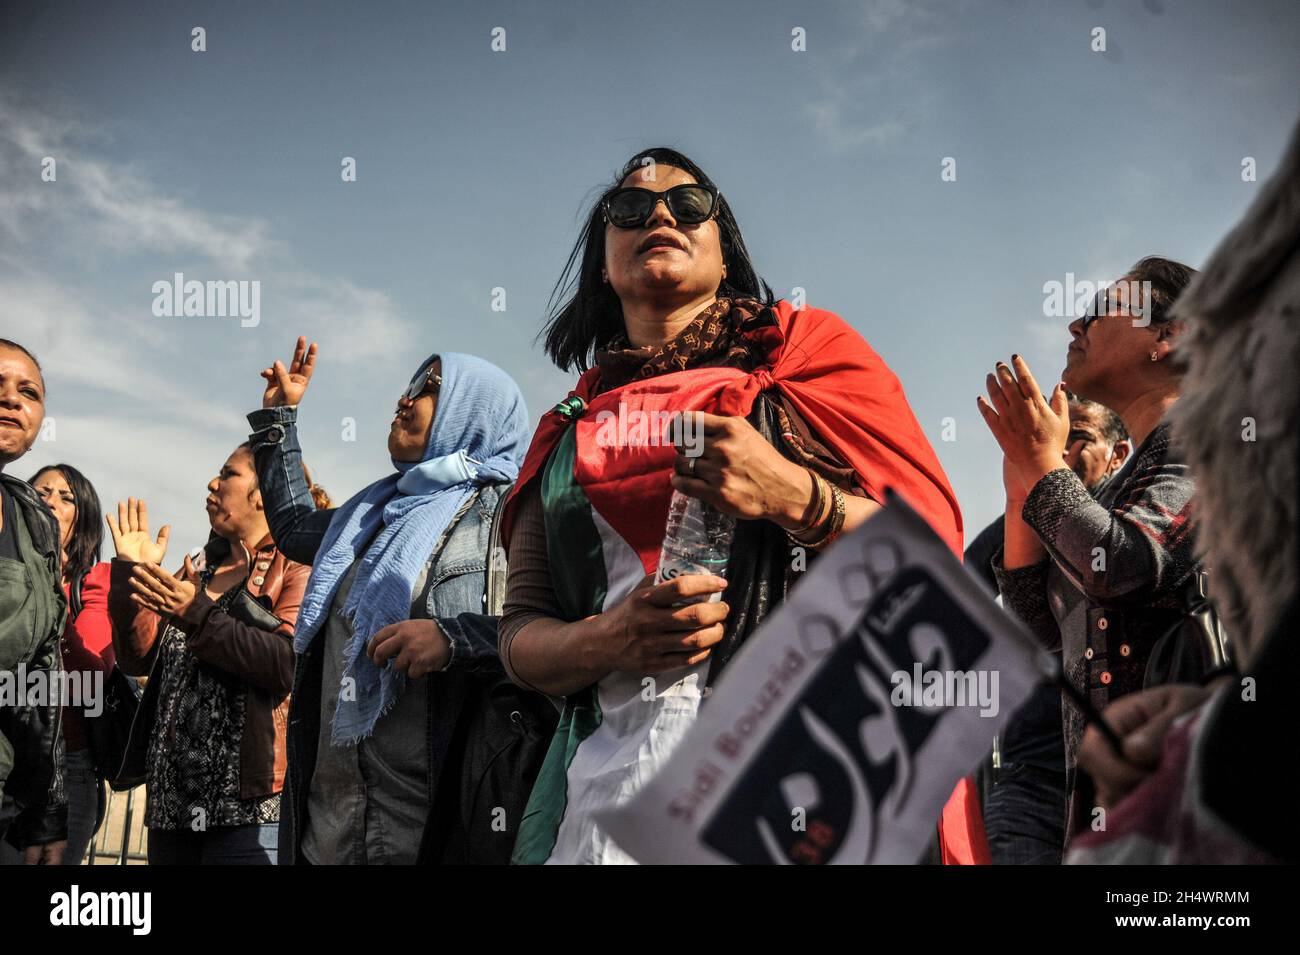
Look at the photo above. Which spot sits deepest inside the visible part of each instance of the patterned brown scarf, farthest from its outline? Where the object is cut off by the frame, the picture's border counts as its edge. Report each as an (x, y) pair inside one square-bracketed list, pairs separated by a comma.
[(728, 332)]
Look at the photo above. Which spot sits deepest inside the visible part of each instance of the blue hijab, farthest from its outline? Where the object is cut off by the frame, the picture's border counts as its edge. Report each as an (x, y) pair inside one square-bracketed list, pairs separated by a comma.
[(479, 435)]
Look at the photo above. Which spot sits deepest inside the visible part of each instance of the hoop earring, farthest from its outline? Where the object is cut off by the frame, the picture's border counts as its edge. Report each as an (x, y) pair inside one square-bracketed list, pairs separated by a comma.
[(1155, 356)]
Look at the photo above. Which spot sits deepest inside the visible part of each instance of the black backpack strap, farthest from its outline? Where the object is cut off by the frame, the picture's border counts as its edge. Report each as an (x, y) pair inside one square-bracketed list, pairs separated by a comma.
[(74, 596)]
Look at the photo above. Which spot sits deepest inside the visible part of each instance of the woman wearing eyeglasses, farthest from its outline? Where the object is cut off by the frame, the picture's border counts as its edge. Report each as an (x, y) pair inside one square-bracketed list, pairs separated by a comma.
[(801, 429), (393, 640), (1100, 580)]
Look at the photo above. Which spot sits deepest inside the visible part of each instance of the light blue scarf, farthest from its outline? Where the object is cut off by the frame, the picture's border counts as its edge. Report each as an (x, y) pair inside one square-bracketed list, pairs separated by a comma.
[(479, 435)]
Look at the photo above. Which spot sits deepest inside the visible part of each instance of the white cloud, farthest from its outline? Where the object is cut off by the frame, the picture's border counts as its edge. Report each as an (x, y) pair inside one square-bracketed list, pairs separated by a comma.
[(111, 205), (150, 406)]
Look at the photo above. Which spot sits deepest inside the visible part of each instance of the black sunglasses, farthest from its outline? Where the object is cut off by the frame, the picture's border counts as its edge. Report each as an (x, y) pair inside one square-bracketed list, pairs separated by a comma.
[(631, 208), (1107, 302), (423, 378), (1100, 306)]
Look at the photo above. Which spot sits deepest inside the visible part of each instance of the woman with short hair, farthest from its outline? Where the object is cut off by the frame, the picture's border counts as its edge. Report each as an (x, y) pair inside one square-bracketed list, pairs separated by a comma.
[(33, 814), (1099, 580)]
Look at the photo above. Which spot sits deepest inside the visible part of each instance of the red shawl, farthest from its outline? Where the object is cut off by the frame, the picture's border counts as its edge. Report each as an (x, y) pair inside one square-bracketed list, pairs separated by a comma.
[(845, 393), (832, 377)]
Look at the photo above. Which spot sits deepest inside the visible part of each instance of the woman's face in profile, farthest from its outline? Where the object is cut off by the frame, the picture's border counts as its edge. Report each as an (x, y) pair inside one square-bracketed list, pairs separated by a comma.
[(408, 435), (1111, 348), (233, 496), (663, 256)]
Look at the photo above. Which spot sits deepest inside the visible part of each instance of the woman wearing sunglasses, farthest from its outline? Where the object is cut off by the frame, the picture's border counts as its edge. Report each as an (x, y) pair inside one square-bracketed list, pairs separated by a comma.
[(798, 430), (392, 633)]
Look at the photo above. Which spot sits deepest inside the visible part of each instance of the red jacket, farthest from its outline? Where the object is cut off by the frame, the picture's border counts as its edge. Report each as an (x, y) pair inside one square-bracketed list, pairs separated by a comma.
[(87, 647)]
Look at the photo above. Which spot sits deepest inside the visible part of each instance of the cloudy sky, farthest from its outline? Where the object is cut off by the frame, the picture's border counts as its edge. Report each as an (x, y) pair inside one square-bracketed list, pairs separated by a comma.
[(474, 166)]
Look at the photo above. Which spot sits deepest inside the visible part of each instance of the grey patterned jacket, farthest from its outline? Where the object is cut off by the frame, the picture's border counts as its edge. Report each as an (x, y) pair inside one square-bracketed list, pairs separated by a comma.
[(1115, 572)]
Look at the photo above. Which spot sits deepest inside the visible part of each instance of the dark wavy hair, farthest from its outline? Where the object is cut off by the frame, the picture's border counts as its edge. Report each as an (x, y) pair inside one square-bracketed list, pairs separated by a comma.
[(1168, 280), (87, 526), (591, 316)]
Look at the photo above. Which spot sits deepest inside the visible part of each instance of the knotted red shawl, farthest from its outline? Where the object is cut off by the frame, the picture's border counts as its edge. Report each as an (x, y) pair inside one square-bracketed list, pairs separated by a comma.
[(833, 378), (848, 397)]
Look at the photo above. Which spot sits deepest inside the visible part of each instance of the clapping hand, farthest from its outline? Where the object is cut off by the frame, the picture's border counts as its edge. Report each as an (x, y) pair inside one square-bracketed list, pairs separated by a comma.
[(1031, 430), (154, 589)]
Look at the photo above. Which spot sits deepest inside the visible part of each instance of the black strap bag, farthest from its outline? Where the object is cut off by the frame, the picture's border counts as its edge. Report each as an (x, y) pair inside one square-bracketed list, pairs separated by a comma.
[(1195, 649), (130, 761), (498, 740), (111, 728)]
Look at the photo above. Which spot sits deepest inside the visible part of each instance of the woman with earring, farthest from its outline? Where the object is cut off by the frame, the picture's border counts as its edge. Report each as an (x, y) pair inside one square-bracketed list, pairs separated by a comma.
[(1099, 580)]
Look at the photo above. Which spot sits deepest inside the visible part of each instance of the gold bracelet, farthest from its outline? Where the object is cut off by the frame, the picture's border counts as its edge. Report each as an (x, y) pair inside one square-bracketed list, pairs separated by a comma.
[(834, 522), (817, 509), (822, 519), (837, 517)]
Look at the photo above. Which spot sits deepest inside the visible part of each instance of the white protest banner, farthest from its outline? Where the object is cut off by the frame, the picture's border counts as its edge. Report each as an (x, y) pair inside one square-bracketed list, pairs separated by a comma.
[(841, 728)]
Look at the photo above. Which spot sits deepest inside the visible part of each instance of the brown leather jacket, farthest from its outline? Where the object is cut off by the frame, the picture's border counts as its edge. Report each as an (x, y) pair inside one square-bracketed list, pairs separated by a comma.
[(262, 659)]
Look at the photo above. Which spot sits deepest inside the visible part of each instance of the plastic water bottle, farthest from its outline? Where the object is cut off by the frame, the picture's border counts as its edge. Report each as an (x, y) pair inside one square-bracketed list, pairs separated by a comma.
[(697, 540)]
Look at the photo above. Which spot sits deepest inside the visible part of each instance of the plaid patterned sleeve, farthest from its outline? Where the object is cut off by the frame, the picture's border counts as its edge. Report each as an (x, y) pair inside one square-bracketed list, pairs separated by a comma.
[(1132, 545)]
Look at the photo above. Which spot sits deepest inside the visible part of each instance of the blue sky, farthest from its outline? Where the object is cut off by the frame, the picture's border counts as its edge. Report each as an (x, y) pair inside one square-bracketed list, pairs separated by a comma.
[(474, 166)]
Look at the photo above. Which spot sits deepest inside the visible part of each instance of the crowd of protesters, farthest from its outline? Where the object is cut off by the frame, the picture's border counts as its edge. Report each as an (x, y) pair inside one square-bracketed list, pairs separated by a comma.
[(451, 666)]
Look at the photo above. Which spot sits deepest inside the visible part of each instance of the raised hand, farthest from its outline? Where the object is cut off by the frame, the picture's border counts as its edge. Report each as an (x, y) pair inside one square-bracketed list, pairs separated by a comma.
[(130, 530), (286, 386), (1031, 429)]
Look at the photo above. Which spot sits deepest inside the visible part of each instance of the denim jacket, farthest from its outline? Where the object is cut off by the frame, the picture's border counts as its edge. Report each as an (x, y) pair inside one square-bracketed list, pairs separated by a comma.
[(455, 583), (454, 596)]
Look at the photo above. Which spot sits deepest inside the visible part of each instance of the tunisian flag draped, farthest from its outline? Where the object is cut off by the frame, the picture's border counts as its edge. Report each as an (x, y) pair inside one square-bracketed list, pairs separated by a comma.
[(841, 387), (843, 390)]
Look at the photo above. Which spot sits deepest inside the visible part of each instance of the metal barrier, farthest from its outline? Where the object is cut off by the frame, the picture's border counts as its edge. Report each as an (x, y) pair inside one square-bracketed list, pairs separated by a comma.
[(122, 838)]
